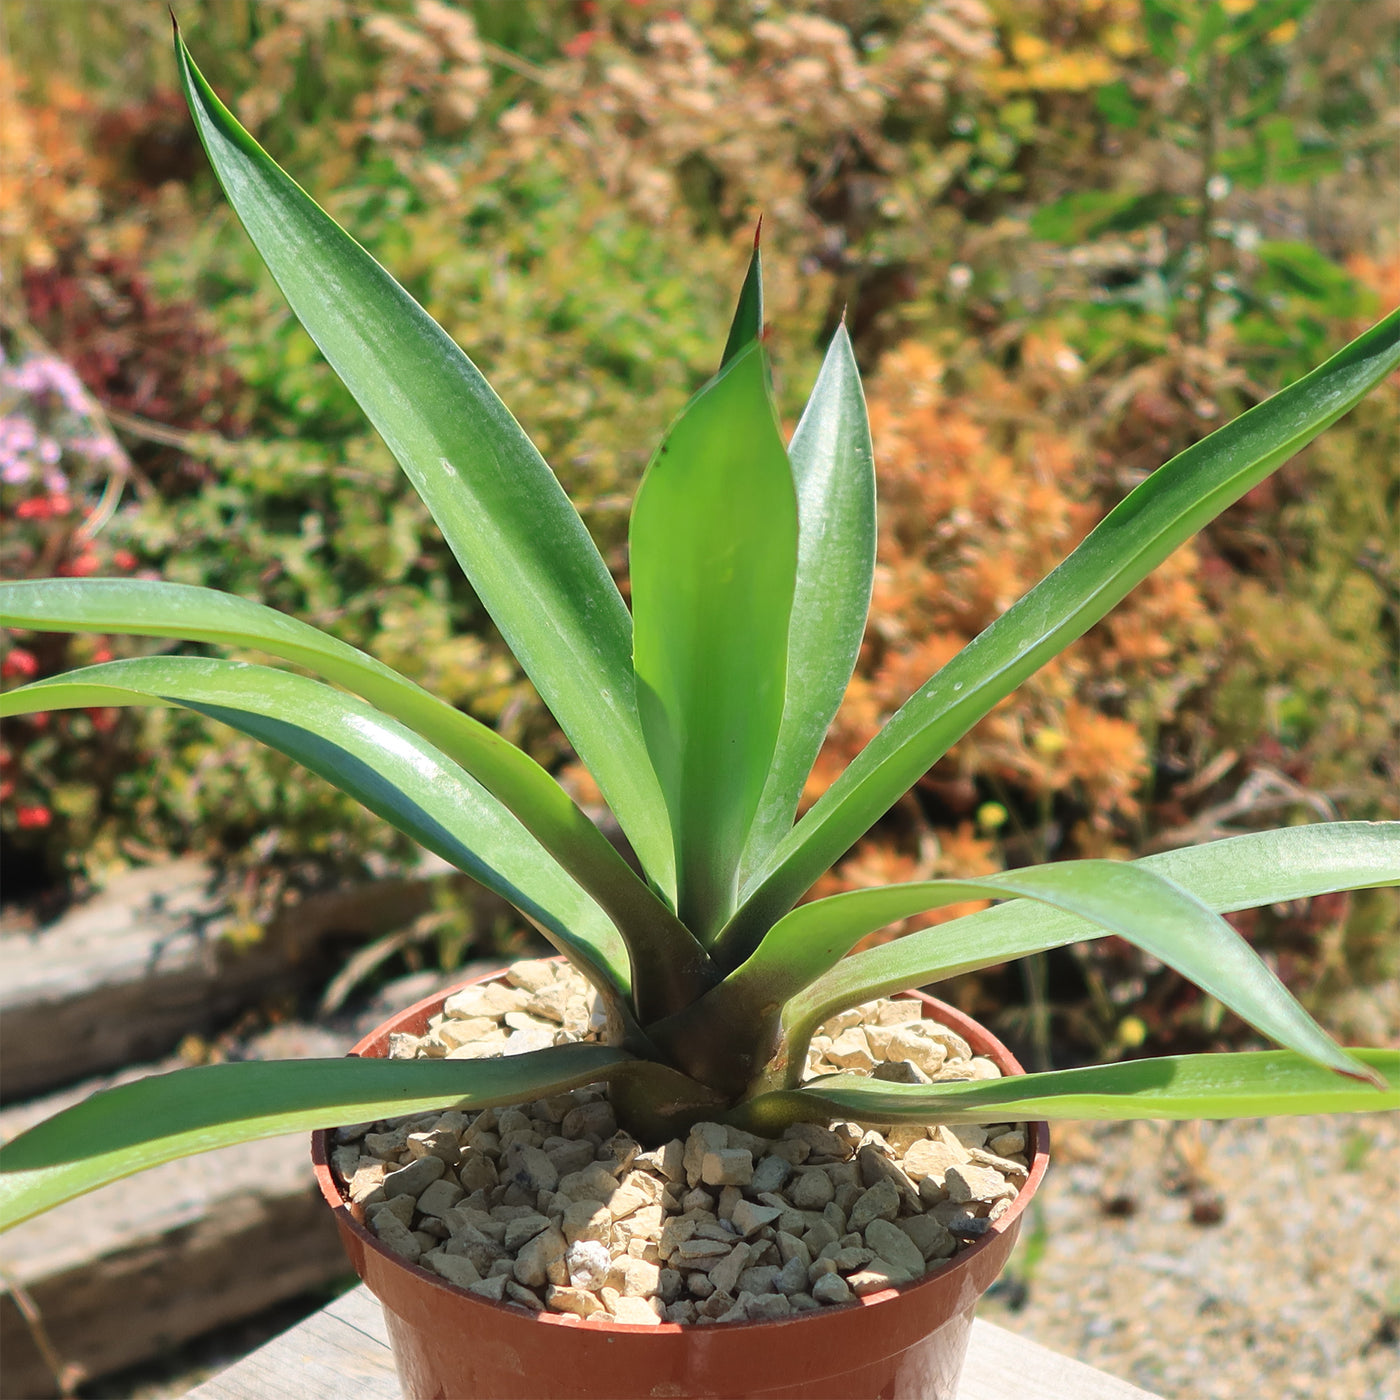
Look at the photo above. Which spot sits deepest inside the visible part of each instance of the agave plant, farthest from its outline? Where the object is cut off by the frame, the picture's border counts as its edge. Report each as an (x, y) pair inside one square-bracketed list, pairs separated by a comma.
[(699, 714)]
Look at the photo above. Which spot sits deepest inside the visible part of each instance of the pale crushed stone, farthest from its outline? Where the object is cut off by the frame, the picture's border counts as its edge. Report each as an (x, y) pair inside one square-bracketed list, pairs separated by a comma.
[(517, 1204)]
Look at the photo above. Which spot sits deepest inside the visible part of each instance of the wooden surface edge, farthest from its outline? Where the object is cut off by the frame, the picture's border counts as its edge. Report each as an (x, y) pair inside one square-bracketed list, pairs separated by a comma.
[(344, 1350), (1002, 1364)]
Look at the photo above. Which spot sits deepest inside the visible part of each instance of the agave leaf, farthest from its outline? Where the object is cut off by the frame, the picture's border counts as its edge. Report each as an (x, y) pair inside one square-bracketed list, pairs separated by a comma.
[(396, 774), (1139, 904), (669, 967), (747, 325), (714, 549), (1253, 1084), (833, 469), (1240, 872), (1153, 520), (1143, 907), (499, 507), (134, 1126)]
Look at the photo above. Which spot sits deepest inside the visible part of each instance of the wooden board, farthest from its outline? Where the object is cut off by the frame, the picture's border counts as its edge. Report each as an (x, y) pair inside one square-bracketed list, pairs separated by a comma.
[(129, 1271), (1004, 1366), (124, 976), (122, 1274), (343, 1350)]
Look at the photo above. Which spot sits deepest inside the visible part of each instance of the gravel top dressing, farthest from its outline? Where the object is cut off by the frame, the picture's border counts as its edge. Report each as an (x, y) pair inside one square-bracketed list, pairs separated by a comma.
[(549, 1206)]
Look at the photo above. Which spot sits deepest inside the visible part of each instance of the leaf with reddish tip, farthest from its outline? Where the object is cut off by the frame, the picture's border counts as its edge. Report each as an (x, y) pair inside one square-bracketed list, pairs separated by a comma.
[(747, 325)]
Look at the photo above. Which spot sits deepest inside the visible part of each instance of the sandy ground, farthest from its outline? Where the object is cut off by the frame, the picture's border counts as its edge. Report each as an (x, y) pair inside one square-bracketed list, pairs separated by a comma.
[(1219, 1261)]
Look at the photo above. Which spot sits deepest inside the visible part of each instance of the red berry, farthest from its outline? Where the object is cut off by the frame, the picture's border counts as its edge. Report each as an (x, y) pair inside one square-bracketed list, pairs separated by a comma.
[(80, 567), (19, 663)]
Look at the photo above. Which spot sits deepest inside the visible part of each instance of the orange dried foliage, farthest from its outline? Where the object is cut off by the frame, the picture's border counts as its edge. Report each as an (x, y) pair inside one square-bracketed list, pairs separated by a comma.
[(982, 492), (956, 854), (48, 188), (1380, 275)]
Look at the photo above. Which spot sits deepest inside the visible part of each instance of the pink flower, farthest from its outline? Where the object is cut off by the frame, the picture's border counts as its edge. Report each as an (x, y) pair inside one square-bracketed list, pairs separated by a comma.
[(46, 374), (18, 440)]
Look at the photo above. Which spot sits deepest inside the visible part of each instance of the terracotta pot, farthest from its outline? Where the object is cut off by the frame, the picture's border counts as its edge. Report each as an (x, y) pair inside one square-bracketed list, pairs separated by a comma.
[(900, 1344)]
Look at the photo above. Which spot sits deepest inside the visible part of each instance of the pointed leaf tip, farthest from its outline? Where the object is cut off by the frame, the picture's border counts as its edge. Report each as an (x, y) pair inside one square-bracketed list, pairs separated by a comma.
[(747, 325), (834, 476), (714, 550), (1366, 1075), (758, 233)]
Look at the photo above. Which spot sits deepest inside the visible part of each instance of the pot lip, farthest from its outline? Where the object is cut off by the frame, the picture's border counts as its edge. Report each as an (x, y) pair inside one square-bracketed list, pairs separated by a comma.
[(949, 1016)]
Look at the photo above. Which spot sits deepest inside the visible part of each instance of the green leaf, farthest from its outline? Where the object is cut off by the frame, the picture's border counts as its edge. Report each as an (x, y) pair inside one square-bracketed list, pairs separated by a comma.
[(714, 550), (392, 771), (1138, 904), (1254, 1084), (1089, 214), (1117, 105), (669, 967), (1273, 154), (1246, 27), (1241, 872), (1298, 269), (833, 469), (796, 978), (1163, 22), (1156, 517), (506, 518), (747, 325), (138, 1125)]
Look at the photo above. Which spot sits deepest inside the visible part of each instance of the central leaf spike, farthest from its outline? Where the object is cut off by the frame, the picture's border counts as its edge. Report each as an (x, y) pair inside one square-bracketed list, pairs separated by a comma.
[(714, 558)]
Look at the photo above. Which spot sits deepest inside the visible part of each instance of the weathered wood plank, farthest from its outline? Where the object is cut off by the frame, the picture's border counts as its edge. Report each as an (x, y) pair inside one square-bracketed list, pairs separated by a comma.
[(124, 976), (303, 1364), (122, 1274), (1004, 1366), (127, 1272), (343, 1350)]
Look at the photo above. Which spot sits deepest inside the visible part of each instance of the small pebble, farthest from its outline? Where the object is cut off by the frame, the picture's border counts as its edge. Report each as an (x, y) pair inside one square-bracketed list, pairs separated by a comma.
[(588, 1263), (831, 1289)]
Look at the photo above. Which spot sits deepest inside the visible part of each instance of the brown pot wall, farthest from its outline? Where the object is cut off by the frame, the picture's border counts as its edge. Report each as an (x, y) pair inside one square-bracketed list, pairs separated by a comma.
[(900, 1344)]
